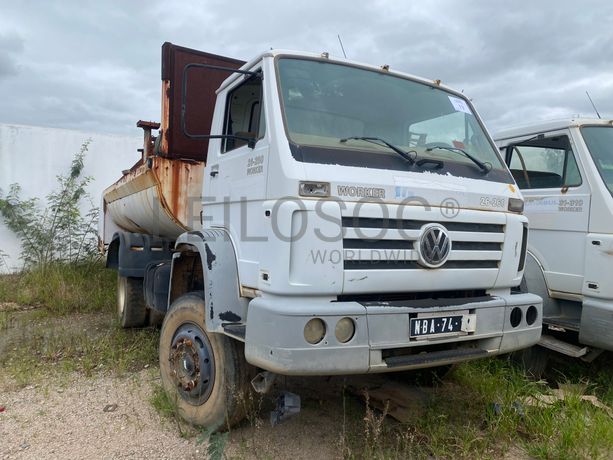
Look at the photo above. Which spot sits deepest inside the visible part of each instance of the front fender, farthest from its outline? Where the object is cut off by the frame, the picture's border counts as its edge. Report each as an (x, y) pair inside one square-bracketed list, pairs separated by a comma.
[(223, 302), (536, 283)]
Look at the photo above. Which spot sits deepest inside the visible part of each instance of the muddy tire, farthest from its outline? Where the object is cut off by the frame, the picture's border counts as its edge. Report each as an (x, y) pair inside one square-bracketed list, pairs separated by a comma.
[(130, 302), (204, 374), (533, 361)]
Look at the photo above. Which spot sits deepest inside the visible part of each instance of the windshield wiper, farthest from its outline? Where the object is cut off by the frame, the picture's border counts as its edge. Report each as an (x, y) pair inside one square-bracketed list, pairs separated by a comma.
[(485, 167), (379, 141)]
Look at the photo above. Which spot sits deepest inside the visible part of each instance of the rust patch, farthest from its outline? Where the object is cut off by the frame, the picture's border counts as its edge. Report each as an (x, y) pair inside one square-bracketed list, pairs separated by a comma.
[(180, 186), (135, 181), (165, 116), (148, 139)]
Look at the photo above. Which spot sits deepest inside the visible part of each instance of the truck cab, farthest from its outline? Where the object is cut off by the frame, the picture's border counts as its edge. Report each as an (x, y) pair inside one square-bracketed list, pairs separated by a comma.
[(351, 219), (565, 171)]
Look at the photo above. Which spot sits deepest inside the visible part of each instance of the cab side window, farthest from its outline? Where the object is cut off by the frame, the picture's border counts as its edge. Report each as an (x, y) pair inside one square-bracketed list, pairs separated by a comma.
[(544, 163), (244, 115)]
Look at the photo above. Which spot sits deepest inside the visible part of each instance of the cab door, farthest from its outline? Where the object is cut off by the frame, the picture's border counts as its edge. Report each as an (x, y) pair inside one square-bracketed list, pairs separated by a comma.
[(557, 204), (236, 172)]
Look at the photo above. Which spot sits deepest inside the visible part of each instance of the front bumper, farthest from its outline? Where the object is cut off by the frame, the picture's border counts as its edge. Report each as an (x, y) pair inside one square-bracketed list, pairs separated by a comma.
[(275, 334)]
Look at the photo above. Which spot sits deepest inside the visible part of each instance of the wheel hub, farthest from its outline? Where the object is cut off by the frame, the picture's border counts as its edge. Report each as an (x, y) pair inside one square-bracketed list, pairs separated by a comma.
[(191, 363)]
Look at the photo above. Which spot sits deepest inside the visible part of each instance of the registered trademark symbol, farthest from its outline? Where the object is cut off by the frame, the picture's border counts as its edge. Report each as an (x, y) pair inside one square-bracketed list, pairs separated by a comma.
[(450, 208)]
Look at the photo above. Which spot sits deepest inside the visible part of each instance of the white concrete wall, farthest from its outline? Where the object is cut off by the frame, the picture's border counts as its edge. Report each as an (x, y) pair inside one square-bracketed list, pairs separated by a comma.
[(33, 156)]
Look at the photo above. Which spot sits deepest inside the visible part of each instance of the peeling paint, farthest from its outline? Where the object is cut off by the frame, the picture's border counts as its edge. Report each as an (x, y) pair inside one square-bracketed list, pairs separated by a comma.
[(210, 257), (229, 316)]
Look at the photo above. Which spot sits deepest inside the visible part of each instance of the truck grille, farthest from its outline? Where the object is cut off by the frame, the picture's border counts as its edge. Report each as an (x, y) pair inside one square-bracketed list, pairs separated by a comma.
[(389, 244)]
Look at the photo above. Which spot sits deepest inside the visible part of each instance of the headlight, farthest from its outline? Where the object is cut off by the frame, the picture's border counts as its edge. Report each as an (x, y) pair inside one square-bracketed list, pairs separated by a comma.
[(314, 331), (345, 329)]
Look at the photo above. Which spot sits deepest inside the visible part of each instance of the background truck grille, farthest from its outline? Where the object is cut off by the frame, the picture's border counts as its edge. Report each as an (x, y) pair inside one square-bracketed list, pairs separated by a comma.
[(389, 244)]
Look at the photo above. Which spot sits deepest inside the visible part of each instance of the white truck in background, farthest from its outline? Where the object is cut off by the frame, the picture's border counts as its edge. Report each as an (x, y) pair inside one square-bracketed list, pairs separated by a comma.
[(565, 171), (305, 215)]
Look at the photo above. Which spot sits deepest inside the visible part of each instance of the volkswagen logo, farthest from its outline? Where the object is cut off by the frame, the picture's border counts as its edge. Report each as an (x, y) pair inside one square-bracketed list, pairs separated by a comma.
[(433, 246)]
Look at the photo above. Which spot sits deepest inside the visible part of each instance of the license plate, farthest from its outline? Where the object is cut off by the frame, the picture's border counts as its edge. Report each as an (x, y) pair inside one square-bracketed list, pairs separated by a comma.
[(436, 325)]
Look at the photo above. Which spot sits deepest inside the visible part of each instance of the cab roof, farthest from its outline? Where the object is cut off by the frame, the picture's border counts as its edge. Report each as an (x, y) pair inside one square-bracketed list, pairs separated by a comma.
[(326, 57), (533, 129)]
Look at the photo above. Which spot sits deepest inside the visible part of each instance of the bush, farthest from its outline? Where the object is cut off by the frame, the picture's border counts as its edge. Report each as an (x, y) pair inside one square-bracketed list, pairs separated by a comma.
[(58, 233)]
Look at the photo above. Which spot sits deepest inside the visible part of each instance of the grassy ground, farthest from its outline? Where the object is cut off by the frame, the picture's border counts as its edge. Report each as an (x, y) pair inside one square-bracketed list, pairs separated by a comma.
[(61, 289), (481, 410), (62, 319)]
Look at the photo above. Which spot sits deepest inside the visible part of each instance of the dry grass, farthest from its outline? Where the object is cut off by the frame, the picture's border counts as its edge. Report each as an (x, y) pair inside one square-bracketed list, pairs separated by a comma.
[(480, 412), (62, 288), (61, 320)]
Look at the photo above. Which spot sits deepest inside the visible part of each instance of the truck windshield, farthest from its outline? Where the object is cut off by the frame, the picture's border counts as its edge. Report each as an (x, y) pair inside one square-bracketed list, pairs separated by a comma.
[(328, 107), (599, 141)]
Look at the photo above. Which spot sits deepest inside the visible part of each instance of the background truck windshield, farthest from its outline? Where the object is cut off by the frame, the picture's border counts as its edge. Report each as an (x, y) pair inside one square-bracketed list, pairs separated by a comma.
[(599, 140), (325, 102)]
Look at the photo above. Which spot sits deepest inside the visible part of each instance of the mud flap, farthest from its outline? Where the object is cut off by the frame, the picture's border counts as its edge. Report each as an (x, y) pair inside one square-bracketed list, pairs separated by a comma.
[(156, 284)]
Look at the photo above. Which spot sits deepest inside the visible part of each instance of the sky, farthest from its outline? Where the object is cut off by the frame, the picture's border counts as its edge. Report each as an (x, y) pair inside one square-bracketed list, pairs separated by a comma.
[(95, 65)]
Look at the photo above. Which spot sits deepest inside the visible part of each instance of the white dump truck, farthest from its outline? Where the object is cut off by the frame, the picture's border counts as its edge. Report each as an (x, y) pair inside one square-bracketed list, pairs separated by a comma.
[(300, 214), (565, 171)]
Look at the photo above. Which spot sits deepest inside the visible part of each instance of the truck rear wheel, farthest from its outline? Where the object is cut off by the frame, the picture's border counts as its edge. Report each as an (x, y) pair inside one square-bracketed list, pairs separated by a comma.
[(130, 302), (205, 374)]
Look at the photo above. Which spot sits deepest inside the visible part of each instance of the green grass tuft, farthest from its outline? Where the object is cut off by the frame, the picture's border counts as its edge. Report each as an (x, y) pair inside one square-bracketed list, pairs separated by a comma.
[(63, 288), (162, 403)]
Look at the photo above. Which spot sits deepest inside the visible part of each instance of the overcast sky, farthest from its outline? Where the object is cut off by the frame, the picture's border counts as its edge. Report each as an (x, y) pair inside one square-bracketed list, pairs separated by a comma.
[(95, 65)]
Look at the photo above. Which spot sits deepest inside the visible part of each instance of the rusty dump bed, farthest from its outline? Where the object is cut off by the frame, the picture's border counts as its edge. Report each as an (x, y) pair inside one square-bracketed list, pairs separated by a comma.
[(159, 197), (161, 194)]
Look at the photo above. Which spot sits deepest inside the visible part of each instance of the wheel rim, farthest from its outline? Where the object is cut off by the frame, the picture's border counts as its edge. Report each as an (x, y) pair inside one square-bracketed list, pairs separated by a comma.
[(121, 297), (191, 364)]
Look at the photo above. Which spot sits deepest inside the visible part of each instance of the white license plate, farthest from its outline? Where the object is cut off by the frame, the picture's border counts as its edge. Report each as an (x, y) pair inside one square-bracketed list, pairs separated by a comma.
[(455, 323)]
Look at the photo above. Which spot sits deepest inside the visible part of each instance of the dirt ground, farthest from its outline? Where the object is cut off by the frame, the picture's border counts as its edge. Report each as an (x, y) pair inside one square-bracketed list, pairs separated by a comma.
[(96, 418), (112, 417), (68, 415)]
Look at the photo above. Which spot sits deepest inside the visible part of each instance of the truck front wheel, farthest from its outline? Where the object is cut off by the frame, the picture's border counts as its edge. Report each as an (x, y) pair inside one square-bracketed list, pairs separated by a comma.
[(205, 374), (533, 360), (130, 302)]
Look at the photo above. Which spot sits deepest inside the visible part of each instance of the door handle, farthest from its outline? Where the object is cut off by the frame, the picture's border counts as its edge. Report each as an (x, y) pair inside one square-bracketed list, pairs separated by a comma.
[(214, 172)]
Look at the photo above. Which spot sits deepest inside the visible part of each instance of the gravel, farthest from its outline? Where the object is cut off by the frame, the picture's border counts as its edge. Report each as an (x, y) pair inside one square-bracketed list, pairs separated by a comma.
[(69, 420)]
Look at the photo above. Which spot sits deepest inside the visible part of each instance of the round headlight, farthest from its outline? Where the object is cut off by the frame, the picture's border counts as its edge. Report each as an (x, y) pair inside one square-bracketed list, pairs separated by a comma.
[(345, 328), (314, 331)]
